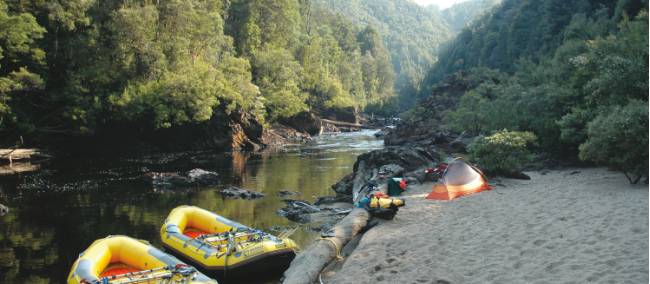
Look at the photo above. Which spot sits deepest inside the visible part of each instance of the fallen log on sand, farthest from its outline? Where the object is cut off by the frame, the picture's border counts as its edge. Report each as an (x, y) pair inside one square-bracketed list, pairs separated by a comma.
[(306, 267), (371, 172)]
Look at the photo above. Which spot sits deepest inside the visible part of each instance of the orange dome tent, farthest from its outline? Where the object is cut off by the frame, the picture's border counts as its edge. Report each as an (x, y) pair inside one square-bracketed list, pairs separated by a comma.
[(459, 179)]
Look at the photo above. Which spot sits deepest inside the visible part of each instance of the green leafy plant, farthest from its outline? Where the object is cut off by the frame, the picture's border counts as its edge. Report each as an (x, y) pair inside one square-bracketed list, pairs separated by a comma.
[(504, 152)]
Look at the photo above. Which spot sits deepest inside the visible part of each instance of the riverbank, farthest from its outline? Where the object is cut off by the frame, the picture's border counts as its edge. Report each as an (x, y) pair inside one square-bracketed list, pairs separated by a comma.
[(109, 193), (572, 225)]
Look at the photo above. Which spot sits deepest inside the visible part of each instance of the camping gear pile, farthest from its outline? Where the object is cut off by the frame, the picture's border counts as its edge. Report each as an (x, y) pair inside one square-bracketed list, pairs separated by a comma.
[(458, 179), (396, 186), (381, 205), (434, 174)]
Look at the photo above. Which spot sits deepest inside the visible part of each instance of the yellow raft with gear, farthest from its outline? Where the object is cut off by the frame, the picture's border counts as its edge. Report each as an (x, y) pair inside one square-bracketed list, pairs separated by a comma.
[(123, 260), (224, 248)]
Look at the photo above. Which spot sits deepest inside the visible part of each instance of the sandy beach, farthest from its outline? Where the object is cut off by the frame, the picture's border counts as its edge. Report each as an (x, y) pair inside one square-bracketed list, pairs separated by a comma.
[(565, 226)]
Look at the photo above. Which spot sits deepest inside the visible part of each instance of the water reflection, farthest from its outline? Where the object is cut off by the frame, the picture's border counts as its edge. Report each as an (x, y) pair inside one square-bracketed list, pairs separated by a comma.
[(59, 211)]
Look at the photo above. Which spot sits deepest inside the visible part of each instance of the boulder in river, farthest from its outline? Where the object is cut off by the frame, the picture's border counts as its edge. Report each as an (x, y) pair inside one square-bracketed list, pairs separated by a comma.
[(305, 212), (305, 122), (236, 192), (193, 177), (286, 193), (203, 177), (4, 210), (381, 133), (344, 186)]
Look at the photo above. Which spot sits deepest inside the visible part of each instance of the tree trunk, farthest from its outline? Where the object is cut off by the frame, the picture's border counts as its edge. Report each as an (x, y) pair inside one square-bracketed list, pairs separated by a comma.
[(306, 267)]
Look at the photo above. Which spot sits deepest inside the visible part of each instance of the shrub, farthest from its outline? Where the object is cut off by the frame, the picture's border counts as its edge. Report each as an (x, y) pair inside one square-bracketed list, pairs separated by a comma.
[(619, 138), (504, 152)]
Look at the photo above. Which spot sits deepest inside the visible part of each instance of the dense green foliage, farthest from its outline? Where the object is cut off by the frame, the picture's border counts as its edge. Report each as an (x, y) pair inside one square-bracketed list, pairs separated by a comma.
[(79, 66), (583, 90), (526, 29), (19, 54), (460, 15), (411, 33), (504, 152), (617, 139)]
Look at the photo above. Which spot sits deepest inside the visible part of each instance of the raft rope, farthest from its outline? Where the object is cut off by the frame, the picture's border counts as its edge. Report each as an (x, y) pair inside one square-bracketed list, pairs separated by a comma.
[(336, 248), (184, 271), (287, 233)]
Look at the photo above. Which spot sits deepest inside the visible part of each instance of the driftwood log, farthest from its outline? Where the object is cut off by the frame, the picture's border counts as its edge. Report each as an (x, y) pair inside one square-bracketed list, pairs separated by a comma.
[(11, 155), (346, 124), (306, 267)]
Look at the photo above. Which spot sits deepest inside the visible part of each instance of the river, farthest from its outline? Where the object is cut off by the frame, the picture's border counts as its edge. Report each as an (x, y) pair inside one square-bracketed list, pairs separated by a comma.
[(61, 209)]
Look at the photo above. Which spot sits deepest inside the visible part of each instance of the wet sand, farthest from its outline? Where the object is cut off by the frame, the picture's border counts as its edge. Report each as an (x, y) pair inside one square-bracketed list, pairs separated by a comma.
[(567, 226)]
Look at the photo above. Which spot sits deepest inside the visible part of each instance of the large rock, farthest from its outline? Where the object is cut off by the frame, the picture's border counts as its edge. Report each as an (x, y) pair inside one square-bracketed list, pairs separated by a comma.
[(460, 143), (286, 193), (303, 212), (298, 210), (279, 135), (344, 186), (236, 192), (409, 158), (305, 122), (203, 177), (246, 132), (383, 132), (195, 177), (391, 170), (346, 114), (378, 166)]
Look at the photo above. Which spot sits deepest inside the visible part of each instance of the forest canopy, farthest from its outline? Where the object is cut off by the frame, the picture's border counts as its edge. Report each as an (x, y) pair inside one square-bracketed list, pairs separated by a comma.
[(90, 64)]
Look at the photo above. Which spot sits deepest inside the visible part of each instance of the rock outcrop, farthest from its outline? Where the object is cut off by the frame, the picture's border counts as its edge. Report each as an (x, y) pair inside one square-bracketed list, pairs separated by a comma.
[(278, 135), (195, 177), (423, 126), (378, 166), (306, 122), (324, 216), (346, 114), (236, 192)]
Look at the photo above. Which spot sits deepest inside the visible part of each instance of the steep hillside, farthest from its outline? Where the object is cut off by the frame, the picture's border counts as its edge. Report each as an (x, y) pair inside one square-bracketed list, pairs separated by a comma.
[(462, 14), (573, 73), (518, 29), (411, 33)]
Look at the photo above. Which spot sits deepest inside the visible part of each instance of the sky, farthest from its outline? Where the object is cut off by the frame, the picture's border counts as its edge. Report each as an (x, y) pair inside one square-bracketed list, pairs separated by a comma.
[(443, 4)]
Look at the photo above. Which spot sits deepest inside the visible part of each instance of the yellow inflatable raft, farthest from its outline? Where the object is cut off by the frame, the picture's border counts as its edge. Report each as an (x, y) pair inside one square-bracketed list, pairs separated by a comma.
[(222, 247), (122, 260)]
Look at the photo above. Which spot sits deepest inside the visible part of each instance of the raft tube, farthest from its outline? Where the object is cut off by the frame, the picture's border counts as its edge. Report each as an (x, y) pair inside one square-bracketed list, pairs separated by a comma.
[(224, 248), (122, 260)]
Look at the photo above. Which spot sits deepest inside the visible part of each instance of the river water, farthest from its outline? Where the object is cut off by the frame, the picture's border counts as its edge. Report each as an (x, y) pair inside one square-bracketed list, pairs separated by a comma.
[(61, 209)]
